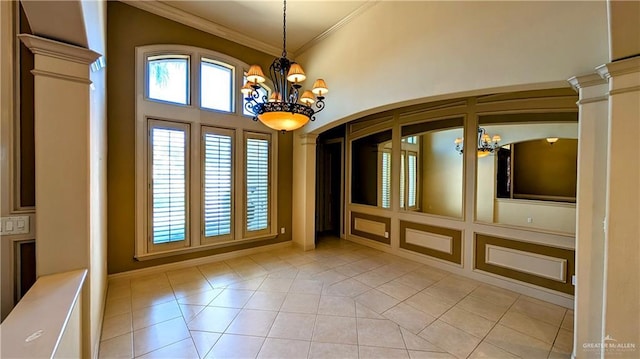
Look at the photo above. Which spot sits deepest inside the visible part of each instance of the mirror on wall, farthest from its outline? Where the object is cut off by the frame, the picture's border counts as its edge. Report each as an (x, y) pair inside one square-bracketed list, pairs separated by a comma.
[(528, 177), (371, 170), (431, 171)]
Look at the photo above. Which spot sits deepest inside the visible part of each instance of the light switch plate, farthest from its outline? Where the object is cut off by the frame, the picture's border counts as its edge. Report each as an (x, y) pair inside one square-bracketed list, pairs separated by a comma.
[(14, 225)]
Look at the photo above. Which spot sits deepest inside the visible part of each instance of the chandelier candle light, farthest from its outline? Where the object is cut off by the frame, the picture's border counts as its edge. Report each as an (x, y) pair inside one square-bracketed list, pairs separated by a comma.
[(288, 108), (486, 143)]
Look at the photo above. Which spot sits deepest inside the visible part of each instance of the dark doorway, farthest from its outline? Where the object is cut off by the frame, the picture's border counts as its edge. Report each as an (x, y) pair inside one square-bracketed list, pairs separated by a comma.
[(329, 188)]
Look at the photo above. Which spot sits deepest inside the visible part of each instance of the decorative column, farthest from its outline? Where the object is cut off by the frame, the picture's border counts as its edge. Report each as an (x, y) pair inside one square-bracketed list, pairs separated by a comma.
[(304, 190), (591, 199), (622, 229), (62, 112)]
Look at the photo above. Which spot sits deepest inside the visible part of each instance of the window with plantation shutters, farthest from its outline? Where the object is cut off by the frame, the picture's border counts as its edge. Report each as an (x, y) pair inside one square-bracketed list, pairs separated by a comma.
[(168, 159), (205, 175), (408, 179), (385, 193), (217, 182), (412, 179), (402, 178), (257, 184)]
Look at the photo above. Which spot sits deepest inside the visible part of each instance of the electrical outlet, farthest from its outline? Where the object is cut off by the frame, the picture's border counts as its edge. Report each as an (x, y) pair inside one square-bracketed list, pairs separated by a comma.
[(529, 220), (573, 279), (282, 230)]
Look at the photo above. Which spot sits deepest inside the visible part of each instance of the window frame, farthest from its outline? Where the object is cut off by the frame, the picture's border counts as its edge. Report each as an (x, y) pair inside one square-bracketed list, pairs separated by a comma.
[(409, 147), (416, 186), (233, 96), (151, 245), (225, 132), (198, 119), (169, 55), (273, 179), (384, 151)]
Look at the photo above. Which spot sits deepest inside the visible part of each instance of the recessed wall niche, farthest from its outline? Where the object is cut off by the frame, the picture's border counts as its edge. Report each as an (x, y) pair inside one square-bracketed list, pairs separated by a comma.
[(530, 180), (371, 170), (431, 173)]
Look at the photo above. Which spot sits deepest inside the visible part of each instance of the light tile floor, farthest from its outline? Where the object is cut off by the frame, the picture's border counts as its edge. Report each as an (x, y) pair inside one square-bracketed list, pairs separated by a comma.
[(342, 300)]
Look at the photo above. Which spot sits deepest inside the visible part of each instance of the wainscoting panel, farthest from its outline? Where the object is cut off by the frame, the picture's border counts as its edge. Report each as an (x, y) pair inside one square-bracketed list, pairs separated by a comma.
[(439, 242), (537, 264), (371, 227)]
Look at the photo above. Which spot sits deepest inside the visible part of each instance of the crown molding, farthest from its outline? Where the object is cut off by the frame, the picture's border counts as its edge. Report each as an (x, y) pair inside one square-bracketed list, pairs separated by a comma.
[(347, 19), (167, 11)]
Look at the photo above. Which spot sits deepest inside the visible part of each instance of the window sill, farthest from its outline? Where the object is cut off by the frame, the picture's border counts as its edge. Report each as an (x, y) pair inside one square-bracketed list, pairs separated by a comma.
[(204, 247)]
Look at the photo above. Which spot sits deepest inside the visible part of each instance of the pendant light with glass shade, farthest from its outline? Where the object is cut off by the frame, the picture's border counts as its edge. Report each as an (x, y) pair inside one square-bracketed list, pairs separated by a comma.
[(288, 107)]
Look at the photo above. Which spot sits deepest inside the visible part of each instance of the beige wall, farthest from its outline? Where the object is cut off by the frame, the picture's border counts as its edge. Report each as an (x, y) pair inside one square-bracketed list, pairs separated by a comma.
[(442, 174), (552, 216), (540, 168), (625, 29), (128, 27), (406, 52)]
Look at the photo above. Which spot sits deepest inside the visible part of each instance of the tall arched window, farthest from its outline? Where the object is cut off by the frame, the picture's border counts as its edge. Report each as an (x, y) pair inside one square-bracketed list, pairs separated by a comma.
[(204, 170)]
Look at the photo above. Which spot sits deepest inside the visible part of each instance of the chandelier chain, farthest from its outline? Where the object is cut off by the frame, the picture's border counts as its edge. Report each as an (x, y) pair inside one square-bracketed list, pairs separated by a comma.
[(284, 29)]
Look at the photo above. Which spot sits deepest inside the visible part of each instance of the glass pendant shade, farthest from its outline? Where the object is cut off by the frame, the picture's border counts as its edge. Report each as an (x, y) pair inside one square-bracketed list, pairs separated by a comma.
[(283, 121)]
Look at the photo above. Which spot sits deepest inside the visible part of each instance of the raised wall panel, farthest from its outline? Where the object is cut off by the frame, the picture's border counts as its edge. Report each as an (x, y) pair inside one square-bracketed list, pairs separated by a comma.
[(429, 240), (371, 227), (537, 264), (438, 242)]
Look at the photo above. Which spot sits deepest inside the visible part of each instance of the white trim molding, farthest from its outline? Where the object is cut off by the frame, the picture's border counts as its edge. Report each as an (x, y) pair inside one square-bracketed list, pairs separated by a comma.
[(433, 241), (369, 226), (527, 262)]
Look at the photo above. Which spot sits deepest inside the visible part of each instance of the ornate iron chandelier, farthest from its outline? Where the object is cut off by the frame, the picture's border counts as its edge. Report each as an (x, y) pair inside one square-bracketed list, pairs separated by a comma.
[(486, 143), (286, 109)]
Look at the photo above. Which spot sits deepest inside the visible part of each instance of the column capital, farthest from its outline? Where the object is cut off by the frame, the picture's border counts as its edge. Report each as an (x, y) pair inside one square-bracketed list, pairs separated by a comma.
[(623, 75), (580, 82), (591, 87), (618, 68), (60, 50), (308, 139)]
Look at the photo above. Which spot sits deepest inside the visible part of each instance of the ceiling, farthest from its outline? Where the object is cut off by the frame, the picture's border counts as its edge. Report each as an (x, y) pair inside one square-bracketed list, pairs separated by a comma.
[(262, 19)]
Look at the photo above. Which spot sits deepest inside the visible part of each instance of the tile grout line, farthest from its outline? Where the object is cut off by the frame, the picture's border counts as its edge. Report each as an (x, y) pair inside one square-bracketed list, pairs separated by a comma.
[(494, 325)]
